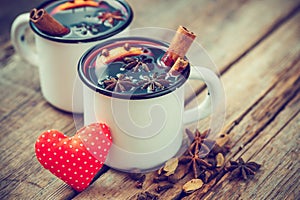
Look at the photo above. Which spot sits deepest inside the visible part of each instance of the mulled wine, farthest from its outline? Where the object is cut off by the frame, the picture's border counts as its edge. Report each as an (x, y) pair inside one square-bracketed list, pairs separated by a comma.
[(130, 68), (88, 19)]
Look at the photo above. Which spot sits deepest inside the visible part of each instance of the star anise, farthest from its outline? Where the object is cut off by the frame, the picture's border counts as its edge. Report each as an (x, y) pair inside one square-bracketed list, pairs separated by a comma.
[(196, 153), (154, 82), (121, 83), (243, 170), (110, 17), (138, 63)]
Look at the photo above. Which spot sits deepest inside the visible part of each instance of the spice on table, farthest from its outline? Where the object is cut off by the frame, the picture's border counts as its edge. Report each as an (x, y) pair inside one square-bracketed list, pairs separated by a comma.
[(242, 170), (192, 185), (163, 187), (147, 196), (139, 178), (197, 151)]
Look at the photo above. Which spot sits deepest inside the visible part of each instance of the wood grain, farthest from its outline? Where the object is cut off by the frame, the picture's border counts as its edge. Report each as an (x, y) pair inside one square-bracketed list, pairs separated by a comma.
[(255, 46)]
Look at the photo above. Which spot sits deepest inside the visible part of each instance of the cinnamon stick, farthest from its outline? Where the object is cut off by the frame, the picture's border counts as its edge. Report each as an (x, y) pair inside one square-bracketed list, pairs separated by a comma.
[(179, 46), (46, 23), (179, 65)]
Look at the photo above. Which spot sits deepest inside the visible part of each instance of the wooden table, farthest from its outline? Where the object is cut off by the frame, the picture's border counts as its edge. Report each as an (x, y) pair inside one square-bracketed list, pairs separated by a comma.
[(256, 47)]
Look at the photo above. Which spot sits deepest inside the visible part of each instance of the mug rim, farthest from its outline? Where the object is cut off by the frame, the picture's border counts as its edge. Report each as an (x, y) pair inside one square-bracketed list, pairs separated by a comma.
[(111, 32), (87, 82)]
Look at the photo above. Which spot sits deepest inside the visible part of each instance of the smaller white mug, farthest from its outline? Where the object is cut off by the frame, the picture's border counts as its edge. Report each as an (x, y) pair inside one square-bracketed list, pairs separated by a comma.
[(57, 56), (147, 130)]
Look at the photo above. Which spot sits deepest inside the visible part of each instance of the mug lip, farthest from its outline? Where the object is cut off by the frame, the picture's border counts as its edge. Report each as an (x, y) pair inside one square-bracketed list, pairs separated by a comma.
[(112, 31), (96, 88)]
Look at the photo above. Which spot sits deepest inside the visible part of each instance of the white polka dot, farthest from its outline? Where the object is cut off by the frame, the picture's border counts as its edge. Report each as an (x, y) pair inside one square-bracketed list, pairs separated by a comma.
[(71, 146), (85, 162), (43, 135), (66, 152), (81, 144), (76, 181), (78, 158), (95, 152), (54, 135), (38, 140), (97, 138), (59, 139), (103, 141), (38, 150), (74, 164), (67, 160), (61, 157), (81, 176), (40, 158), (82, 183), (63, 166), (65, 174), (49, 149), (90, 158), (91, 166), (58, 170), (59, 148), (92, 143), (99, 147), (75, 172), (88, 149), (45, 163), (56, 162), (86, 171), (80, 167), (43, 145), (70, 177), (76, 150), (65, 142), (83, 153), (72, 155), (87, 178), (105, 150), (54, 144), (48, 140), (50, 158), (55, 153), (69, 169)]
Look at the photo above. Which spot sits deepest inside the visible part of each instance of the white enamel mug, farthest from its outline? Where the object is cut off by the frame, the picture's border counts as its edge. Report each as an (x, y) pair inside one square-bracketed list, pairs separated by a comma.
[(147, 130), (57, 56)]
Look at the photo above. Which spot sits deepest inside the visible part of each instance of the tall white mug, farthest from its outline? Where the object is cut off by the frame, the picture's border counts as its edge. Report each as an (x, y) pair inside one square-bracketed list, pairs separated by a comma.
[(57, 56), (146, 127)]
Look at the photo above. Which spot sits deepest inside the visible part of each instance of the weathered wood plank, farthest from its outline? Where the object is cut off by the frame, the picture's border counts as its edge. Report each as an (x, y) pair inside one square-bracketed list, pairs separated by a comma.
[(33, 115)]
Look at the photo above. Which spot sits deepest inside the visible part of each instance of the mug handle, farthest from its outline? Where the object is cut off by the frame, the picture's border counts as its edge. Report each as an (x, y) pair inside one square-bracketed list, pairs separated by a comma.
[(18, 30), (214, 99)]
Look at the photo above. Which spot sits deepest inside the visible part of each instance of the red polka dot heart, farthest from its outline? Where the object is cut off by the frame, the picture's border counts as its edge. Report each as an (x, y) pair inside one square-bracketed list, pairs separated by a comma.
[(75, 160)]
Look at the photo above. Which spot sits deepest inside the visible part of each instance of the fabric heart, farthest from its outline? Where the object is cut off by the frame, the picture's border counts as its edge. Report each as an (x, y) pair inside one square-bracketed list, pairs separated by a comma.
[(75, 160)]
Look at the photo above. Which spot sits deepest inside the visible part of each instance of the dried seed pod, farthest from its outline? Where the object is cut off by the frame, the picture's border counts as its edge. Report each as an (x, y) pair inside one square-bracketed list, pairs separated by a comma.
[(170, 166), (180, 172), (192, 185), (220, 160)]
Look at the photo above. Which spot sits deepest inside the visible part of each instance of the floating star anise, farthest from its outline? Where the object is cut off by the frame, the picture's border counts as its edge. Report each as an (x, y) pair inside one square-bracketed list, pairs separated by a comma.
[(120, 83), (154, 82), (138, 63), (196, 153), (110, 17), (243, 170)]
